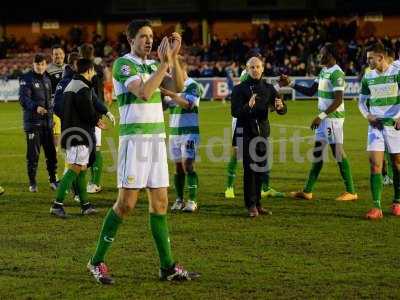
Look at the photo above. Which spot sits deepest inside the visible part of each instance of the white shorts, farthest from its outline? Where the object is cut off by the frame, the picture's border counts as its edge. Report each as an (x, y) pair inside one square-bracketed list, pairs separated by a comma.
[(78, 155), (330, 130), (142, 163), (183, 147), (97, 132), (388, 138)]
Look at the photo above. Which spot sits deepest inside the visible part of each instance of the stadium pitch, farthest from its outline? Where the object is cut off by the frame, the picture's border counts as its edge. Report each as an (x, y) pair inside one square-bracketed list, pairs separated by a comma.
[(315, 249)]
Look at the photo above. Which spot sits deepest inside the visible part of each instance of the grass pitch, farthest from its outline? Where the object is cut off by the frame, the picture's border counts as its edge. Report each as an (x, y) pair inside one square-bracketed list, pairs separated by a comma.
[(317, 249)]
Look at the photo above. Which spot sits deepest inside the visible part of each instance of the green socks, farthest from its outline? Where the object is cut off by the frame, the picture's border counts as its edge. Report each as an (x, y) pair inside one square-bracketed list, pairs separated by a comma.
[(179, 182), (265, 181), (389, 165), (396, 184), (345, 171), (313, 176), (192, 181), (376, 182), (107, 234), (159, 229), (65, 184), (231, 170), (81, 184), (97, 169)]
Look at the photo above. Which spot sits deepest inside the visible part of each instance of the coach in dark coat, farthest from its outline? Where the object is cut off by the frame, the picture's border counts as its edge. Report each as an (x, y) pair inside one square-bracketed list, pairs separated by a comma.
[(251, 101)]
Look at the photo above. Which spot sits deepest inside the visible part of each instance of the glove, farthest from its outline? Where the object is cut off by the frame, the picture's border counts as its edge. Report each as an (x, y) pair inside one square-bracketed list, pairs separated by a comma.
[(111, 117)]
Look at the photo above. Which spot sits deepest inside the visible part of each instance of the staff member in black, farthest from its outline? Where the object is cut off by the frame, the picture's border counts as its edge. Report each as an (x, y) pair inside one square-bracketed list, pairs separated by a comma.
[(251, 101), (37, 104)]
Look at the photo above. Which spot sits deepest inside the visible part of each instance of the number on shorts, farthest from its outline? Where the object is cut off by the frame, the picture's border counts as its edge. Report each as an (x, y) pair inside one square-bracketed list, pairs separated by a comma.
[(190, 145), (329, 131)]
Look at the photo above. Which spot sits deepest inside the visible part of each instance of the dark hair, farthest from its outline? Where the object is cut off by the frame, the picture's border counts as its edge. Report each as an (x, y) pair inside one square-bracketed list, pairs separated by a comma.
[(253, 53), (86, 51), (391, 53), (377, 47), (84, 65), (56, 46), (73, 57), (134, 26), (38, 58), (331, 50)]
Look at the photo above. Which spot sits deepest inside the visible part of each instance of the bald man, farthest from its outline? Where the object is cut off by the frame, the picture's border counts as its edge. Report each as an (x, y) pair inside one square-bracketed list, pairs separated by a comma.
[(252, 99)]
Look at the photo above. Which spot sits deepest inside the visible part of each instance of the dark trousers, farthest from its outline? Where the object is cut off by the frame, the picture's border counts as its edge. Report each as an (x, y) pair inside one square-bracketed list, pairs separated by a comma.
[(254, 169), (41, 136)]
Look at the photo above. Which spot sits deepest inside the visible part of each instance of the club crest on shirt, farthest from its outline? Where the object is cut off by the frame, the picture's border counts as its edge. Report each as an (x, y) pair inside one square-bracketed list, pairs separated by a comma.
[(153, 68), (125, 70)]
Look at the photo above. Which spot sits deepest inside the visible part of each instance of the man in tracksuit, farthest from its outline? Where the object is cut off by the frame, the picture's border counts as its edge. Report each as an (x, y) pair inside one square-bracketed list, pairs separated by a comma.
[(35, 99), (78, 120)]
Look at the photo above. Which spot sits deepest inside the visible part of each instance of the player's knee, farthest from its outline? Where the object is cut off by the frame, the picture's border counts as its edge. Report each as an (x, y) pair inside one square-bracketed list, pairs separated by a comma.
[(123, 207), (189, 168), (376, 167), (160, 205)]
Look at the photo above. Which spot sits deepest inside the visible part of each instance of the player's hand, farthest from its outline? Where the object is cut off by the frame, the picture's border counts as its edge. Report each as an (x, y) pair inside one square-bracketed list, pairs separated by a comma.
[(161, 51), (41, 110), (111, 117), (175, 41), (101, 124), (284, 80), (252, 100), (376, 123), (168, 93), (315, 123), (397, 124), (279, 104), (166, 52)]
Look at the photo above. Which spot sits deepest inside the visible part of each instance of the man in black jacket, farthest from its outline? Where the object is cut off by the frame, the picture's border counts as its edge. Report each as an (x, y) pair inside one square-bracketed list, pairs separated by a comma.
[(35, 99), (251, 101), (79, 118)]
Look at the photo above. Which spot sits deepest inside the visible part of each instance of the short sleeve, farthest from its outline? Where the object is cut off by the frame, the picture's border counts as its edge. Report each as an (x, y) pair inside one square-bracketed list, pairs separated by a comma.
[(124, 71), (364, 87), (338, 80)]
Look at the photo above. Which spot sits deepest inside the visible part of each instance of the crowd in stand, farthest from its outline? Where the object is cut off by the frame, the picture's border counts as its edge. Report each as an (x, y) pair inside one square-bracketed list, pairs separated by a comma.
[(291, 50)]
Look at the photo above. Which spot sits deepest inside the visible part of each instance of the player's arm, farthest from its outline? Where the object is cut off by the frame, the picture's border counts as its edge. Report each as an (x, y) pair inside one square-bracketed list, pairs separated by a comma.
[(144, 90), (25, 94), (176, 81), (185, 100), (396, 117), (238, 109), (364, 98), (310, 91)]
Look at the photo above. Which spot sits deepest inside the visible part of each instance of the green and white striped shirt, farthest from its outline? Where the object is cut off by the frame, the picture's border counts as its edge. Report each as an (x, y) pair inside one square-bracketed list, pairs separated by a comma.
[(380, 95), (137, 116), (186, 121), (329, 81)]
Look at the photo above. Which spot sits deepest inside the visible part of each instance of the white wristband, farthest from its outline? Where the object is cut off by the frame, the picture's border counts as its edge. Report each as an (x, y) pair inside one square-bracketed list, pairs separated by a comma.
[(322, 115), (167, 99)]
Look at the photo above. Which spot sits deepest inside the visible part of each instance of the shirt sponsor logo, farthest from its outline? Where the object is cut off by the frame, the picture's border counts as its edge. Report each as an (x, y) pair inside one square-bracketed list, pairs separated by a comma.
[(131, 179)]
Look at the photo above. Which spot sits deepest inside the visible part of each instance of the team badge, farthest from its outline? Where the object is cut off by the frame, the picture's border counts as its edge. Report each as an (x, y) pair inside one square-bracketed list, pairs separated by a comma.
[(340, 81), (153, 68), (125, 70)]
